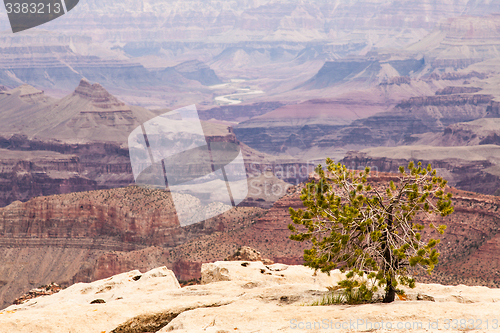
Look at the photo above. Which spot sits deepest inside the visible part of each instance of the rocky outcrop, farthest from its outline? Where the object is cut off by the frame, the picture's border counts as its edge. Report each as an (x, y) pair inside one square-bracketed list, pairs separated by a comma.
[(398, 80), (258, 272), (97, 234), (267, 234), (107, 214), (187, 270), (459, 100), (27, 94), (455, 76), (331, 125), (279, 214), (29, 174), (295, 129), (100, 98), (493, 109), (411, 117), (242, 298), (195, 70), (469, 168), (47, 290), (484, 131), (245, 253), (239, 112), (471, 233), (337, 71), (455, 63), (364, 69), (457, 90), (32, 167), (475, 35), (57, 66), (80, 218)]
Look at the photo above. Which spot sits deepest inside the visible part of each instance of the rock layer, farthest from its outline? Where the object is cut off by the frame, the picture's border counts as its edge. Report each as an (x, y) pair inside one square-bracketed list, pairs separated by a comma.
[(95, 235), (470, 237), (80, 143), (470, 168), (110, 235)]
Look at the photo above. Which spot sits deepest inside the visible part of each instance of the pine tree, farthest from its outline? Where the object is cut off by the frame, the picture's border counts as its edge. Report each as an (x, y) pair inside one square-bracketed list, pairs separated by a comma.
[(369, 231)]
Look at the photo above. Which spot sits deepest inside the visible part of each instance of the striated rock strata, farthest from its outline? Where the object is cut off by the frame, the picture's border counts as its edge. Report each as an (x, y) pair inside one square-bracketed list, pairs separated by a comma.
[(89, 235), (471, 236), (79, 143), (125, 228), (471, 168)]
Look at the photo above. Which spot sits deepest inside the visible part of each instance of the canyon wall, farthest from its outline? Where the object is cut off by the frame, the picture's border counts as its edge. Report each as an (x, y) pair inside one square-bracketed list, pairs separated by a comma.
[(471, 168), (195, 19), (467, 248), (121, 229), (90, 235), (339, 126), (32, 168), (238, 112), (80, 142)]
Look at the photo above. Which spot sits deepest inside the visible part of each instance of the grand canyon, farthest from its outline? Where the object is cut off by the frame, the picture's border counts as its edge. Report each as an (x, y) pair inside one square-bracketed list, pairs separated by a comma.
[(374, 83)]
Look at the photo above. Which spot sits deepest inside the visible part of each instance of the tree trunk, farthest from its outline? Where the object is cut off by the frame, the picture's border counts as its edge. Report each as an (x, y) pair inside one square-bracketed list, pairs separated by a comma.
[(390, 293)]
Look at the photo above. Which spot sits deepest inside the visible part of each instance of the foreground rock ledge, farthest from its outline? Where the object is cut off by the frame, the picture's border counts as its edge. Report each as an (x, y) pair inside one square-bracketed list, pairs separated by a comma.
[(241, 296)]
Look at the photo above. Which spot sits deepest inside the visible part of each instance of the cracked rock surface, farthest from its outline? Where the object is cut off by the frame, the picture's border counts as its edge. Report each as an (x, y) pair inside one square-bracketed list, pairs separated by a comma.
[(238, 297)]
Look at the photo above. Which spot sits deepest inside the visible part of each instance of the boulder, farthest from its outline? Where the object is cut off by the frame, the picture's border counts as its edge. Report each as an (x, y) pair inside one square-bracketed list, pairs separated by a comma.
[(248, 254), (91, 307)]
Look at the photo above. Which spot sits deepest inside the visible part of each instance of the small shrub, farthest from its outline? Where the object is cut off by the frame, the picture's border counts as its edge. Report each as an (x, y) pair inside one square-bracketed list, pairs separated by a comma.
[(352, 292)]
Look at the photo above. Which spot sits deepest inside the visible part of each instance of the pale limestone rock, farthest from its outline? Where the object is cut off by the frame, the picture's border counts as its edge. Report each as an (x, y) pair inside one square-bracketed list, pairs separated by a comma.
[(70, 309), (163, 272), (249, 301), (258, 272), (257, 316)]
